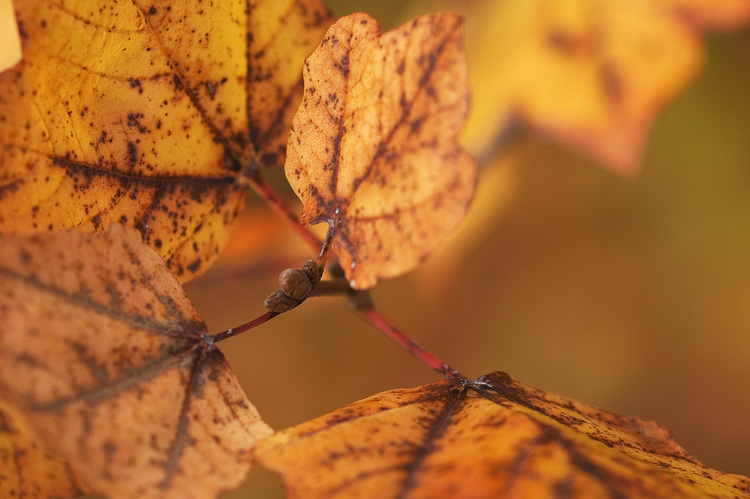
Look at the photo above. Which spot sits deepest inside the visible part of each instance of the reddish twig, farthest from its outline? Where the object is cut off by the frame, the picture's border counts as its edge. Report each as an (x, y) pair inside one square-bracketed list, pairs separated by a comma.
[(361, 301), (239, 329), (374, 317), (281, 208)]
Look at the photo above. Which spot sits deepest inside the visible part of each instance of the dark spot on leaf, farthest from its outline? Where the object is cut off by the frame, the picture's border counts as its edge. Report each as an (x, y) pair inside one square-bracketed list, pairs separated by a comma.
[(132, 154), (136, 83)]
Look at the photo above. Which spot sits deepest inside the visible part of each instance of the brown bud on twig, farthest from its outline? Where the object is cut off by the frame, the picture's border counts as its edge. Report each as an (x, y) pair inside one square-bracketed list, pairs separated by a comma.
[(296, 285), (279, 302)]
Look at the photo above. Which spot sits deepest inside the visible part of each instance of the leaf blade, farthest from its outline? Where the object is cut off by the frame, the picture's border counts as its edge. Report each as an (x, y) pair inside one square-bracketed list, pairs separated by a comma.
[(493, 437), (119, 381), (373, 147), (149, 126)]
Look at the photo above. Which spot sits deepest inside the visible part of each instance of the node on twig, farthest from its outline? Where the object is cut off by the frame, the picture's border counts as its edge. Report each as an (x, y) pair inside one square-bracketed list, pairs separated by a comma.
[(296, 285)]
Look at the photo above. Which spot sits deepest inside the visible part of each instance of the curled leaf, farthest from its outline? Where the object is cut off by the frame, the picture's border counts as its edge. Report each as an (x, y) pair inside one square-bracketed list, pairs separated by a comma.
[(491, 437), (373, 149), (143, 113), (109, 363)]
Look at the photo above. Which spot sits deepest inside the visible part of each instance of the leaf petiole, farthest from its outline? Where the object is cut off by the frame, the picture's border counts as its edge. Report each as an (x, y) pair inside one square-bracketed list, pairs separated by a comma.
[(214, 338), (360, 301), (277, 203)]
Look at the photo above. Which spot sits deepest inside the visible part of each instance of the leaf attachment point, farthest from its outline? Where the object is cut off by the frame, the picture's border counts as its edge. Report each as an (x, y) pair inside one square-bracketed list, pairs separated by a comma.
[(295, 286), (373, 149)]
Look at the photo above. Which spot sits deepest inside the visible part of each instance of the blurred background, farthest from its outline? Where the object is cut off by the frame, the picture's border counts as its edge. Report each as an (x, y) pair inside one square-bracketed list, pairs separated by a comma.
[(628, 294)]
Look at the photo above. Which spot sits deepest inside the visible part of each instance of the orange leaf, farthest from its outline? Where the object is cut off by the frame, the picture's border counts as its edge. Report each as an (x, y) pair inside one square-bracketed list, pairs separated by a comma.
[(10, 53), (283, 33), (144, 113), (492, 437), (25, 469), (373, 147), (109, 362), (590, 74)]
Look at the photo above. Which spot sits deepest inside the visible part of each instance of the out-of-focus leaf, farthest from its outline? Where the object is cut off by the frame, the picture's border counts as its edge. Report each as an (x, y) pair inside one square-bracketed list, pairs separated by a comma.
[(592, 74), (373, 147), (490, 437), (10, 43), (281, 34), (111, 366), (148, 113), (25, 469), (496, 191)]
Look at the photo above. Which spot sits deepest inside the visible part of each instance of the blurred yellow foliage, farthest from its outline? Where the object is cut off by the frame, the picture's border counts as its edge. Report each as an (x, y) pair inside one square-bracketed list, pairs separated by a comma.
[(26, 470), (592, 74), (10, 43)]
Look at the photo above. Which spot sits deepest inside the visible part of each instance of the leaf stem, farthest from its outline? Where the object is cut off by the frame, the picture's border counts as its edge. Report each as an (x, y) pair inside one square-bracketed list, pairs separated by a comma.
[(359, 300), (323, 255), (239, 329), (333, 287), (364, 305), (281, 208)]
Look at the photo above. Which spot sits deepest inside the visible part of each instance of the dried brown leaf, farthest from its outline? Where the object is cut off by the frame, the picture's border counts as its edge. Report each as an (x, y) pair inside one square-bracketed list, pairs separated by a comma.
[(491, 437), (110, 364), (373, 147)]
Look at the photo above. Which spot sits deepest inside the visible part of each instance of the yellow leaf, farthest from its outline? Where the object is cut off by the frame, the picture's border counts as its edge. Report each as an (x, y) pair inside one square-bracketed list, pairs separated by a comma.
[(491, 437), (592, 74), (373, 148), (140, 113), (283, 33), (10, 43), (110, 364), (25, 469)]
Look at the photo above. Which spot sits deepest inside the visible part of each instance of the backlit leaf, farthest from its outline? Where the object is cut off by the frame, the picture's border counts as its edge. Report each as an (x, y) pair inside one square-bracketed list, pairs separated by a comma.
[(592, 74), (492, 437), (373, 148), (148, 113), (282, 33), (10, 44), (109, 362)]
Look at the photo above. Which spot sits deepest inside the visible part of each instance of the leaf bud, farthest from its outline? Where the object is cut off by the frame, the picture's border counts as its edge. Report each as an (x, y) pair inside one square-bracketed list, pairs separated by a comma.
[(295, 283), (279, 302)]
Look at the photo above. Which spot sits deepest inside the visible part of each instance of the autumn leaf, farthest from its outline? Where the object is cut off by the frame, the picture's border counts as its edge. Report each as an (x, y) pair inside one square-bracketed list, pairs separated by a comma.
[(150, 114), (593, 75), (113, 369), (373, 147), (10, 53), (25, 469), (491, 437)]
